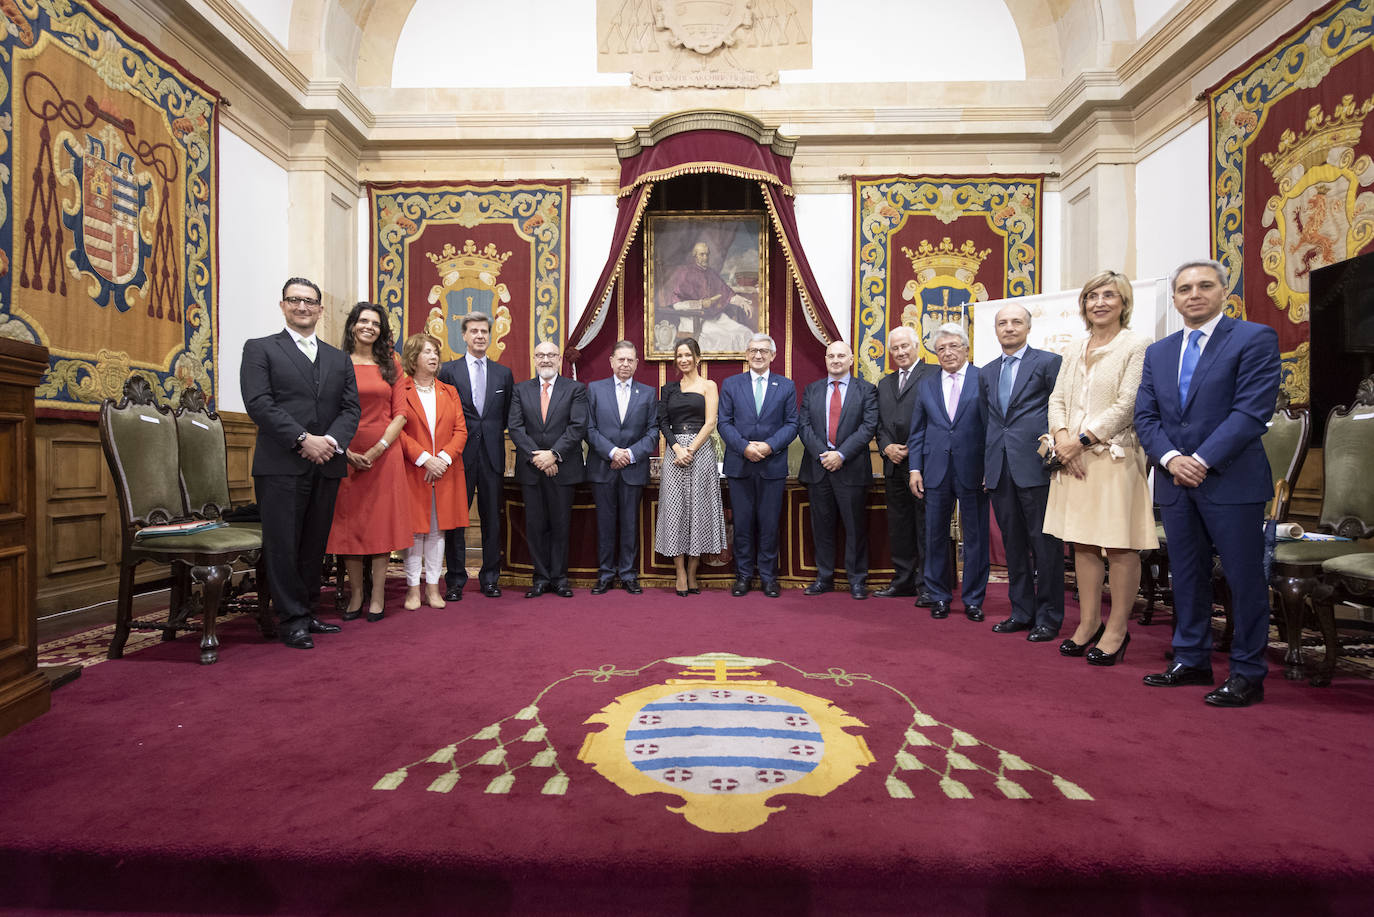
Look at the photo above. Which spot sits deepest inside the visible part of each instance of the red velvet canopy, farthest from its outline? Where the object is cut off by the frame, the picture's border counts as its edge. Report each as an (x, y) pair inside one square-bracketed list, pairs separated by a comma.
[(696, 143)]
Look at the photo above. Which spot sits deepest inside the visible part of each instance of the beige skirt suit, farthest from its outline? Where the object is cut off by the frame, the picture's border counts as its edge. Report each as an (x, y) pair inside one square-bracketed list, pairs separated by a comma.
[(1095, 393)]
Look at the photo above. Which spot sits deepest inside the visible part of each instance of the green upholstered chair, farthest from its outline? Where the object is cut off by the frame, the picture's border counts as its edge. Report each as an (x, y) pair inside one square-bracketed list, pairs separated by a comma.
[(139, 439), (1347, 511), (204, 475)]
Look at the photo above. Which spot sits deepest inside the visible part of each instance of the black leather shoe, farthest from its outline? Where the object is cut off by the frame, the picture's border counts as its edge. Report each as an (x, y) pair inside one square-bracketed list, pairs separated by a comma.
[(316, 626), (939, 610), (1042, 633), (454, 594), (859, 591), (602, 587), (353, 615), (1237, 691), (491, 591), (1069, 648), (741, 587), (563, 590), (298, 640), (924, 599), (1178, 675), (974, 613), (632, 587), (818, 587), (1096, 656), (536, 590), (889, 592), (1010, 626), (771, 588)]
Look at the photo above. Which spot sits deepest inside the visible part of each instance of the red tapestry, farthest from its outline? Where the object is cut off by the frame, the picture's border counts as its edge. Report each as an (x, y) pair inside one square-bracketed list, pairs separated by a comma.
[(1292, 172)]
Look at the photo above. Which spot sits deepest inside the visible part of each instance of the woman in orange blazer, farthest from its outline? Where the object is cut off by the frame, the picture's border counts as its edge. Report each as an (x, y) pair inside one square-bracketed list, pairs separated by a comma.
[(432, 440)]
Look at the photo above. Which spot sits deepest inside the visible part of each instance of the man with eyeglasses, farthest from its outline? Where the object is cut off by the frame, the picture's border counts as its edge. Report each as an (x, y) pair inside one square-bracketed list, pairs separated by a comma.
[(548, 419), (758, 419), (303, 396), (484, 387)]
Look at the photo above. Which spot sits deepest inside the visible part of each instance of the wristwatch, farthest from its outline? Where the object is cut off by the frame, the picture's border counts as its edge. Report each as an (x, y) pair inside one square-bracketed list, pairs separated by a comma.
[(1084, 439), (300, 440)]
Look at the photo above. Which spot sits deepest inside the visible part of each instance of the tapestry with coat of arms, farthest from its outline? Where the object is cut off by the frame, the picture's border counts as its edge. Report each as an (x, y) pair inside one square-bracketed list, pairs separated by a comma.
[(1292, 174), (927, 248), (108, 164), (443, 249)]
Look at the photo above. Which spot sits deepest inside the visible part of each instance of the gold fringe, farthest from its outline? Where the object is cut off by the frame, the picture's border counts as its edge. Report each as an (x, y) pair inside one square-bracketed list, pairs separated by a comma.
[(700, 168)]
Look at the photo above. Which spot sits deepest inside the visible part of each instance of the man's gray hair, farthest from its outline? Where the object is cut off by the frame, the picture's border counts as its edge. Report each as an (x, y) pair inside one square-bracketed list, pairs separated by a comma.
[(1216, 266), (622, 345), (473, 317), (910, 332), (950, 330), (760, 336)]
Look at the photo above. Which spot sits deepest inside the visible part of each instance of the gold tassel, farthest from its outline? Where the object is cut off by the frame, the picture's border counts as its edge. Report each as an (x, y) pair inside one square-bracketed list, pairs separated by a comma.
[(962, 738), (1071, 790), (1012, 763), (501, 784), (545, 758), (920, 719), (391, 781), (915, 738), (443, 755), (907, 761), (1011, 789), (527, 713), (556, 785), (954, 789), (444, 782), (491, 732), (959, 762), (536, 734), (899, 790), (495, 756)]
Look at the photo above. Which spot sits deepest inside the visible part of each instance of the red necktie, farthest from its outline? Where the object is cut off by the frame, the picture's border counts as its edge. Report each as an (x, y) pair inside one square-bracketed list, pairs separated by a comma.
[(832, 431), (544, 401)]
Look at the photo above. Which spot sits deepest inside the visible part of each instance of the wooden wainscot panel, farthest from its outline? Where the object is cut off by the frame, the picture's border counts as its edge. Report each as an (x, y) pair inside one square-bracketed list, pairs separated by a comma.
[(24, 692), (240, 436)]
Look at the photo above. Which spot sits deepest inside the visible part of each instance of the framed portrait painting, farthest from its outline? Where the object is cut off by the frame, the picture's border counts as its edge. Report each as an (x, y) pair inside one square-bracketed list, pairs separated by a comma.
[(705, 277)]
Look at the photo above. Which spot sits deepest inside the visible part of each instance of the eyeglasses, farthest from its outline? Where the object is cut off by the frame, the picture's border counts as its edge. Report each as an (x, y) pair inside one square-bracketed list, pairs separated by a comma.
[(546, 356), (301, 301), (759, 350)]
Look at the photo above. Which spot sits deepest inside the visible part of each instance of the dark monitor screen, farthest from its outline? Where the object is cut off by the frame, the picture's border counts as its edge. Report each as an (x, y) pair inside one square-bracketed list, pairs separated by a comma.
[(1342, 334)]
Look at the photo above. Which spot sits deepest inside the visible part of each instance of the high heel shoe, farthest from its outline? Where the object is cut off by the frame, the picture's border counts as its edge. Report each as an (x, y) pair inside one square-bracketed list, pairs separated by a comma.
[(1069, 648), (1097, 657), (352, 615)]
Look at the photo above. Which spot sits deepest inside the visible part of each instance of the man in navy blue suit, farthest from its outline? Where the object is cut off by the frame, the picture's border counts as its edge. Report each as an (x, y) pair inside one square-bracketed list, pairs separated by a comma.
[(1015, 389), (838, 416), (758, 419), (1205, 396), (945, 454), (622, 433)]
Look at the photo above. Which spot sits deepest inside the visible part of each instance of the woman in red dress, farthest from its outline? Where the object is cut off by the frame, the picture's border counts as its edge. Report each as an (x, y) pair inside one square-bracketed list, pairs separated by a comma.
[(371, 517), (433, 441)]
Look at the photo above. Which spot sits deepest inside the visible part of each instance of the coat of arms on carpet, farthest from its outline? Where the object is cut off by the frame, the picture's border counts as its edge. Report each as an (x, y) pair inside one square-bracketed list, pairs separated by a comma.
[(726, 734)]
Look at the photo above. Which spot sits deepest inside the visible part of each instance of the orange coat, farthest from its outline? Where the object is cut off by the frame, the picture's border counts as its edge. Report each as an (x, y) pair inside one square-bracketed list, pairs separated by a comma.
[(449, 493)]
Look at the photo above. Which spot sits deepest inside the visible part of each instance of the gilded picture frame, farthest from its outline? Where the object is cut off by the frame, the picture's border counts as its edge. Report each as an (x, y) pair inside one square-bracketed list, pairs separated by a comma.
[(705, 276)]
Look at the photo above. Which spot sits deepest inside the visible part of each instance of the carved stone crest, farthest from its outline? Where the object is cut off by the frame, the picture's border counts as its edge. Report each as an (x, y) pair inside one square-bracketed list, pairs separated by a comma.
[(702, 25)]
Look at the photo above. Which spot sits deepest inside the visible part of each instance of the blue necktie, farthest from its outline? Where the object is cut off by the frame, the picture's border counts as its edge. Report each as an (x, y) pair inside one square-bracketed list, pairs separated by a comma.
[(1191, 353), (1004, 383)]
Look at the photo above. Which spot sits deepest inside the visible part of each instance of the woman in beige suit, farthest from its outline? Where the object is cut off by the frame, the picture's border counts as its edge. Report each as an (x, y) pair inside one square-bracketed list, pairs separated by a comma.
[(1100, 500)]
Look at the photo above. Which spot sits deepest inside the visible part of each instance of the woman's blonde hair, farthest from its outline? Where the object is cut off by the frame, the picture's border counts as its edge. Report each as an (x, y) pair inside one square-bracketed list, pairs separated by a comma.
[(1102, 278), (410, 351)]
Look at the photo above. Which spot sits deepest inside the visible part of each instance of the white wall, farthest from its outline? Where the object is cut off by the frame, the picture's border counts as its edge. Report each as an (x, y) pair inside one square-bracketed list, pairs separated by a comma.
[(252, 256), (1150, 12), (1173, 207), (591, 219), (825, 223), (274, 15)]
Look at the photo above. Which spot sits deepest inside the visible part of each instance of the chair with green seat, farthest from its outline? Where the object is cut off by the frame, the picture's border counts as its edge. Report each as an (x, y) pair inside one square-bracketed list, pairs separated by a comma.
[(1347, 512), (139, 440), (204, 474)]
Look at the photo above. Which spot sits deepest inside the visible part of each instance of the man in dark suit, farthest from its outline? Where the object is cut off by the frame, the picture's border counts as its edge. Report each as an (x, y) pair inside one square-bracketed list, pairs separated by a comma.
[(1206, 395), (838, 416), (758, 419), (303, 396), (945, 452), (548, 419), (906, 516), (1015, 390), (484, 387), (622, 433)]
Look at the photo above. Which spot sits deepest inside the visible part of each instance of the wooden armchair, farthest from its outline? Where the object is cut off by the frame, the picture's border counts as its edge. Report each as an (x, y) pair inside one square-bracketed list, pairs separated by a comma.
[(1347, 511), (139, 439)]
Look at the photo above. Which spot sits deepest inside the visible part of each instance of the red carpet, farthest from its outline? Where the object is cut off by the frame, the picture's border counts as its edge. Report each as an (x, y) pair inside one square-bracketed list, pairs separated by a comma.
[(158, 785)]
